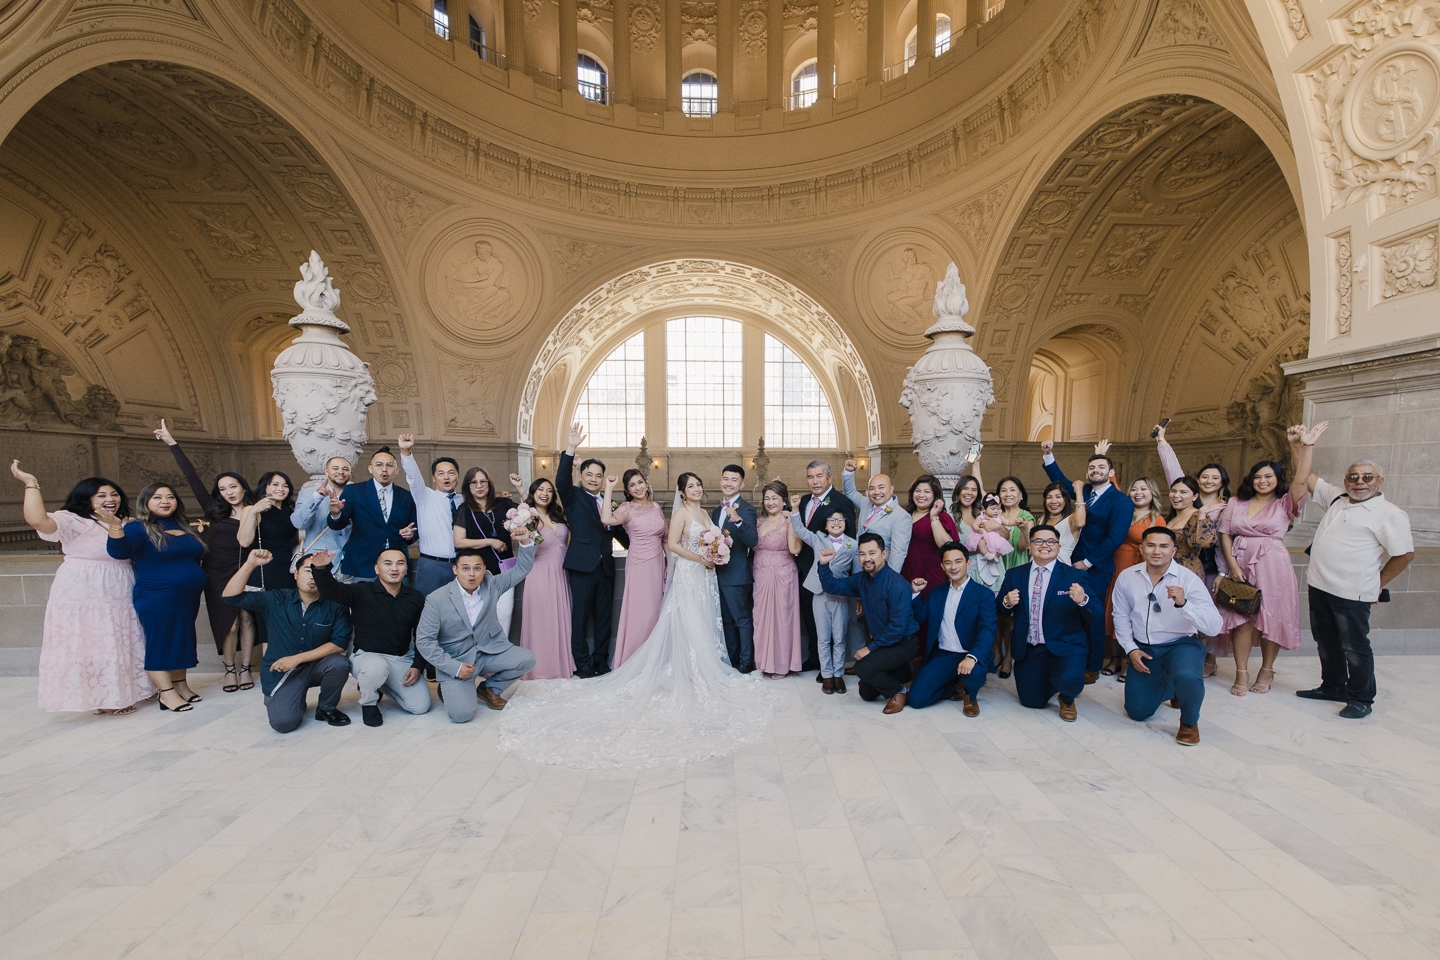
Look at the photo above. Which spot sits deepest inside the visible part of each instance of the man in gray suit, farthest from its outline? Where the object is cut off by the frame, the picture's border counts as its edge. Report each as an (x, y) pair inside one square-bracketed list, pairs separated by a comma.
[(880, 512), (460, 633)]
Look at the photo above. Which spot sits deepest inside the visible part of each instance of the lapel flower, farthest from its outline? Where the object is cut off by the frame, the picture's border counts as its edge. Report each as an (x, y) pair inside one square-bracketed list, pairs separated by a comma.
[(888, 510)]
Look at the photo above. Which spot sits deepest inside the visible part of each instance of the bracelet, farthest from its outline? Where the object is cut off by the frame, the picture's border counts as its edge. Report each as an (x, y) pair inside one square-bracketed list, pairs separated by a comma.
[(36, 487)]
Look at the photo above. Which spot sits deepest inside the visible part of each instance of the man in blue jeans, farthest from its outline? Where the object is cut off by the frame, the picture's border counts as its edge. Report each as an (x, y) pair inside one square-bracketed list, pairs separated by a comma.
[(1160, 610)]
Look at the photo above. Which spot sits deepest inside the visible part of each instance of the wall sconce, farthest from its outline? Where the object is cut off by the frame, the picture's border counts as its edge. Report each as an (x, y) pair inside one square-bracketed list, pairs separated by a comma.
[(654, 463), (863, 462), (544, 463)]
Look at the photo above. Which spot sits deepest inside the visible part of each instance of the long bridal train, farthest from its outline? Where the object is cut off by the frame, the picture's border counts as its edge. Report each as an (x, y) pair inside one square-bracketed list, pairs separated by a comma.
[(677, 700)]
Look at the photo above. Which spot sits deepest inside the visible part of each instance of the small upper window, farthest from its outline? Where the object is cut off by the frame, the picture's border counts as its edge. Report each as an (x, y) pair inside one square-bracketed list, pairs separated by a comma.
[(592, 79), (804, 86), (477, 33), (942, 40), (442, 18), (699, 94)]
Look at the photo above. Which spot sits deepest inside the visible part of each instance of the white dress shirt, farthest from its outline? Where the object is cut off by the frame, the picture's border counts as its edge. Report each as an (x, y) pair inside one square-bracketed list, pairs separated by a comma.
[(1135, 599), (474, 604), (725, 505), (949, 639), (1353, 541), (814, 504), (434, 512)]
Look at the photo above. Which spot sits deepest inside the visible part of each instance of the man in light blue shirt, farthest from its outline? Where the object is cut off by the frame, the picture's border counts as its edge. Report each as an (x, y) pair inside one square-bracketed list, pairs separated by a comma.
[(312, 512), (1160, 611)]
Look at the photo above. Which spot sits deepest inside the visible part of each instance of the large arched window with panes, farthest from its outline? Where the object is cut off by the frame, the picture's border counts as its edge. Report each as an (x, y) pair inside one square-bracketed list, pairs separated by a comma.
[(797, 412), (612, 406), (704, 373), (699, 94)]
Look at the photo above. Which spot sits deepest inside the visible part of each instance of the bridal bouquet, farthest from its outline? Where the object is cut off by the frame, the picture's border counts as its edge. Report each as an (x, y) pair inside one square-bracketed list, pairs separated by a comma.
[(523, 517), (715, 547)]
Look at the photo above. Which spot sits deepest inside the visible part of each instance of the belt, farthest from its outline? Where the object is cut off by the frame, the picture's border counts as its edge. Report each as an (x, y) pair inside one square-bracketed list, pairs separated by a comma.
[(426, 556)]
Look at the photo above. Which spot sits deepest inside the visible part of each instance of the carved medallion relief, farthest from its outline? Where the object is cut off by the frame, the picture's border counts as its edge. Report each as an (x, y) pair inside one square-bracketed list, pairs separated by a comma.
[(483, 281), (895, 286)]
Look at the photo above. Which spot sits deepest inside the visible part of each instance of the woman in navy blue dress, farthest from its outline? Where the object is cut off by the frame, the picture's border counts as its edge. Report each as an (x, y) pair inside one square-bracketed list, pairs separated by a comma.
[(168, 585)]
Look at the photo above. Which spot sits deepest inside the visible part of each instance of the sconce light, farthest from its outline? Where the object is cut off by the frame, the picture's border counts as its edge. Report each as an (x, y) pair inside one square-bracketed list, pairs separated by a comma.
[(863, 462), (545, 463), (655, 463)]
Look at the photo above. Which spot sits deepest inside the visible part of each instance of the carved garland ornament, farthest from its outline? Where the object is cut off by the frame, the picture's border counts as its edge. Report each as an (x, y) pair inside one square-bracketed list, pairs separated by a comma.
[(1343, 285), (645, 25), (754, 27), (1378, 103), (1296, 18)]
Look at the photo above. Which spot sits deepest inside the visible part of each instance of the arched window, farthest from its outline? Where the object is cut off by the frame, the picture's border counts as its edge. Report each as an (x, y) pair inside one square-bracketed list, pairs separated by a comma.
[(699, 94), (594, 82), (704, 372), (612, 407), (804, 86), (942, 40), (442, 18), (797, 413), (477, 34)]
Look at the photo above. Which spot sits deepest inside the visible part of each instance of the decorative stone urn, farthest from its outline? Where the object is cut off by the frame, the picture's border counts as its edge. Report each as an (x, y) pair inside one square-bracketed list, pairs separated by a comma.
[(321, 388), (949, 388)]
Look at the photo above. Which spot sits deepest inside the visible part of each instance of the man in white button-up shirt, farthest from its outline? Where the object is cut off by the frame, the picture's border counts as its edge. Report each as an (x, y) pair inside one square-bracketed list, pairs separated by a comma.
[(1160, 611), (1362, 543), (434, 514)]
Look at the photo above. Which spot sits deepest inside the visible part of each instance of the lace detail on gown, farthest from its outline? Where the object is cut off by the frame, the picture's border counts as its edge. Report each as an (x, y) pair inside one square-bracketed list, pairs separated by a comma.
[(677, 700)]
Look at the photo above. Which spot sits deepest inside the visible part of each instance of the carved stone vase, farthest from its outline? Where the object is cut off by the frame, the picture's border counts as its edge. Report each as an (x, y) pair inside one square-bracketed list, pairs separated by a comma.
[(949, 388), (321, 388)]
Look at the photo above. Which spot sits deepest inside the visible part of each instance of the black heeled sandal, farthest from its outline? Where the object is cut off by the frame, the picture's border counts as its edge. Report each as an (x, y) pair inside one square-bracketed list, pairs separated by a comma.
[(180, 709), (229, 687), (251, 684)]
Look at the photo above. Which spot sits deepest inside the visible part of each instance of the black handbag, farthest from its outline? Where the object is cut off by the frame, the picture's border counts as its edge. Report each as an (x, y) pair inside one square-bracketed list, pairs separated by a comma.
[(1237, 596)]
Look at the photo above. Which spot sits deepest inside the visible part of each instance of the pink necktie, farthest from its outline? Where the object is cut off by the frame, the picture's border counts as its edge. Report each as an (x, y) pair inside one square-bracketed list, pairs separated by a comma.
[(1037, 604), (873, 514)]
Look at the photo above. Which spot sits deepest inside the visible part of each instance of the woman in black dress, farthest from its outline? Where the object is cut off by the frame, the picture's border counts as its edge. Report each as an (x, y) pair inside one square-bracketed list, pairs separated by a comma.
[(223, 506), (480, 525), (267, 526)]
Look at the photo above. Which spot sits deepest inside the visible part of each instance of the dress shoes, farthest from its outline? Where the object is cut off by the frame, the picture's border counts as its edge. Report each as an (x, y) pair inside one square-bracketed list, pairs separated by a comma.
[(1091, 676), (1355, 710), (896, 703), (850, 670), (822, 679), (1189, 734), (972, 706), (837, 684), (490, 698), (333, 717), (1320, 693), (371, 716), (1068, 711)]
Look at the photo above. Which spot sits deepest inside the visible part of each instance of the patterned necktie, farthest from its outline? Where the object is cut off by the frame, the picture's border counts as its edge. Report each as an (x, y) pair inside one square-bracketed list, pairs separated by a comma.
[(1037, 605), (385, 503), (1094, 495)]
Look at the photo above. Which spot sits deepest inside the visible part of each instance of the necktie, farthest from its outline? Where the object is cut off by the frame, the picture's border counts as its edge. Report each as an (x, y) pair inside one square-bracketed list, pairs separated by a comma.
[(385, 502), (454, 501), (1090, 500), (1037, 605), (810, 509), (873, 514)]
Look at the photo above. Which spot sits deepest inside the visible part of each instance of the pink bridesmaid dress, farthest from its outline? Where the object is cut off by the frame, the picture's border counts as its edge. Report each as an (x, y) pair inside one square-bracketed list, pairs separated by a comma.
[(644, 577), (545, 612), (1265, 563), (777, 602), (92, 653)]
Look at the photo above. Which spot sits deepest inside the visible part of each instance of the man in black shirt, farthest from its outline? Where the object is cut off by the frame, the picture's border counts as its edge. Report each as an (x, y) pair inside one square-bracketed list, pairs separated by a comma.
[(384, 612), (308, 636)]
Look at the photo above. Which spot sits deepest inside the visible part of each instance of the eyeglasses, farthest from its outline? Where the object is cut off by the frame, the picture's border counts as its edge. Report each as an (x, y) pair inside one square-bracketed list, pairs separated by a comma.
[(1046, 542), (1357, 477), (1156, 603)]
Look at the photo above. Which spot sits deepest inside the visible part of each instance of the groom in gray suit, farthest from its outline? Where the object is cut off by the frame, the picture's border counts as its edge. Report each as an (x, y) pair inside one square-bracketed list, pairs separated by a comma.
[(460, 633)]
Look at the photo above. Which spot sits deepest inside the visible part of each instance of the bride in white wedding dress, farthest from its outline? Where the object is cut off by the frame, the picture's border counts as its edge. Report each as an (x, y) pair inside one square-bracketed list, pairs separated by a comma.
[(676, 700)]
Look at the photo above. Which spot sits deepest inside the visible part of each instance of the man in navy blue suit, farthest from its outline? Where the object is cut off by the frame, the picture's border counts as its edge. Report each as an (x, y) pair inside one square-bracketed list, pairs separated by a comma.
[(959, 620), (380, 515), (589, 559), (1053, 613), (1107, 520), (736, 517)]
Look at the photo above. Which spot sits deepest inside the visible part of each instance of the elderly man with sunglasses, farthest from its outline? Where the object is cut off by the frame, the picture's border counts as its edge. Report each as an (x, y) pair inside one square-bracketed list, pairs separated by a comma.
[(1160, 611), (1362, 543)]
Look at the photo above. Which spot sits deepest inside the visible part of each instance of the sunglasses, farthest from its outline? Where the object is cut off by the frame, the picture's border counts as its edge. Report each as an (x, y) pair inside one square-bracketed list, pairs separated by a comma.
[(1357, 477), (1155, 604)]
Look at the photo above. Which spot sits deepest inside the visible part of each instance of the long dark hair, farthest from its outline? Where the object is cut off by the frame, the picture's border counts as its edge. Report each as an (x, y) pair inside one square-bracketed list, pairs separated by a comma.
[(1194, 486), (1065, 492), (1247, 486), (154, 526), (555, 511), (683, 481), (936, 490), (955, 505), (286, 505), (220, 508), (631, 474), (474, 504), (78, 502), (1024, 503), (1224, 479)]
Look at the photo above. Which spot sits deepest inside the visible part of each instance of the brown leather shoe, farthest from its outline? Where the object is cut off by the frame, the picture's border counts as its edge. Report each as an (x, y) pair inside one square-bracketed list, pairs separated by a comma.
[(958, 694), (896, 703), (838, 685), (1067, 711), (972, 706), (1175, 702), (490, 698), (850, 670), (1189, 734), (827, 685), (1091, 676)]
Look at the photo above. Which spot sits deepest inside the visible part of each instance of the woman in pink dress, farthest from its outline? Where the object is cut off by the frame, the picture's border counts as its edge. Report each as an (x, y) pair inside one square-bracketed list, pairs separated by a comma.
[(644, 563), (92, 653), (545, 610), (1252, 537), (776, 612)]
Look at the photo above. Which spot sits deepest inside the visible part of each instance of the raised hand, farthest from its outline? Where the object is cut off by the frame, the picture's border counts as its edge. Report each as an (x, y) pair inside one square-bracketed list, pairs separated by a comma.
[(259, 558), (825, 556), (1103, 447), (522, 536), (108, 518), (936, 509), (850, 465), (336, 505), (1012, 599), (918, 584), (1047, 447), (1177, 595), (517, 482), (732, 513), (407, 532), (1306, 436), (795, 502), (26, 478), (321, 558), (163, 433), (1077, 593), (577, 435), (407, 442), (1159, 433), (324, 489), (1080, 491), (610, 482)]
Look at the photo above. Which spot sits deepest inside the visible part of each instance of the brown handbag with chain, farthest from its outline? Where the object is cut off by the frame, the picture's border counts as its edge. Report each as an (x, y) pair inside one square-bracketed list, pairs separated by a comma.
[(1237, 596)]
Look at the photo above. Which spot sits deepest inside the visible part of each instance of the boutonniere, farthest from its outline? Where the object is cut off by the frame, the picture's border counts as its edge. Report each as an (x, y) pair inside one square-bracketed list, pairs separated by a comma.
[(888, 510), (614, 505)]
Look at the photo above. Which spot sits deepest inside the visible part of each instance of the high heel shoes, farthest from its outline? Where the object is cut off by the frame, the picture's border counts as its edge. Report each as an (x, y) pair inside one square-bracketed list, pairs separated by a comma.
[(180, 709), (1242, 683), (1263, 680)]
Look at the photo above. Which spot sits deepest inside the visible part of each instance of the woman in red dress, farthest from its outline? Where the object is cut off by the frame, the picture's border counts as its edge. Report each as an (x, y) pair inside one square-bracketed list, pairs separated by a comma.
[(933, 528)]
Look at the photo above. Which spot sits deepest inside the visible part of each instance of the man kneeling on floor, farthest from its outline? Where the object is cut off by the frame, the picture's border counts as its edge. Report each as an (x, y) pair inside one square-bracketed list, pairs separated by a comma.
[(960, 621), (460, 633), (307, 640), (1160, 608), (883, 665)]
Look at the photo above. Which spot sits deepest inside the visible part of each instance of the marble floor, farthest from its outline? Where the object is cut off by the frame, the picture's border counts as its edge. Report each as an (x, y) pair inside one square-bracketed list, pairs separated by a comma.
[(1288, 833)]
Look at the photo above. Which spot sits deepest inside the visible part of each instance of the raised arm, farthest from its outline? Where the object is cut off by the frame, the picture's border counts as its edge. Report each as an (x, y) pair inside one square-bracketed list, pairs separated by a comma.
[(847, 486), (1077, 518), (1052, 469), (1302, 451), (235, 593), (524, 561), (831, 584), (564, 478), (325, 582), (607, 516), (816, 541), (1168, 461), (34, 508), (414, 479), (197, 486)]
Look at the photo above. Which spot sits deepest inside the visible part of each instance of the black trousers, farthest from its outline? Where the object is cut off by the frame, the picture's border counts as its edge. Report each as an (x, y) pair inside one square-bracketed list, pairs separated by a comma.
[(735, 602), (591, 593), (1342, 633), (285, 708), (884, 670), (809, 649)]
